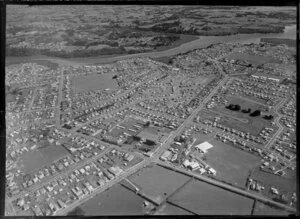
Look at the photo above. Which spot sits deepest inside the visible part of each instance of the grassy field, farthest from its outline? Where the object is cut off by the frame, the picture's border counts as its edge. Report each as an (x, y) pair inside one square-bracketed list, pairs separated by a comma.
[(115, 201), (94, 82), (158, 182), (34, 160), (278, 41), (169, 209), (243, 121), (205, 199), (256, 60), (232, 165)]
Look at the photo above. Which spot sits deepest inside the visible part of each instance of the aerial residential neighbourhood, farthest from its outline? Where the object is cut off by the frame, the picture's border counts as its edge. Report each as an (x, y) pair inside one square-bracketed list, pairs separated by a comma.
[(150, 110)]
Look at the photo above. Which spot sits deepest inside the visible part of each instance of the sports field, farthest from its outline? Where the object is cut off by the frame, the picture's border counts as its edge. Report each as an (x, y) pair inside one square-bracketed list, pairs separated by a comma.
[(242, 121), (253, 59), (94, 82), (35, 160)]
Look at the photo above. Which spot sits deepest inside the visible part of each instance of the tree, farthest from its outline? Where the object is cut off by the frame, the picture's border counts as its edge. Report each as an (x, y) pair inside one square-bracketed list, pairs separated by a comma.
[(237, 107), (246, 110), (268, 117), (147, 124), (255, 113)]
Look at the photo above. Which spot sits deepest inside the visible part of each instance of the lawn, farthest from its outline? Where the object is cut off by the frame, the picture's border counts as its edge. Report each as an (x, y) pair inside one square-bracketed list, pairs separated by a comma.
[(158, 182), (205, 199), (94, 82), (232, 164), (34, 160), (253, 59)]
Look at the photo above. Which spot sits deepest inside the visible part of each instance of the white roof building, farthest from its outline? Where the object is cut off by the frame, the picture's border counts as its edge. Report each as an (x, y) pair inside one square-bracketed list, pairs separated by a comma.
[(204, 146), (165, 155), (191, 164)]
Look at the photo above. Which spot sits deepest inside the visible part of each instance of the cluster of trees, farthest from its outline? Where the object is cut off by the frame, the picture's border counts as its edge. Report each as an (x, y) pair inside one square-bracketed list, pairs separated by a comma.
[(236, 107), (147, 124), (132, 139), (149, 142), (268, 117), (164, 40), (65, 54), (255, 113)]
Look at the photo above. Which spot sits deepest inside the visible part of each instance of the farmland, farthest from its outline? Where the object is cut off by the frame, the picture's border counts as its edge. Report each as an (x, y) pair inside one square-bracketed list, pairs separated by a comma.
[(214, 200), (169, 209), (158, 182), (264, 209), (115, 201)]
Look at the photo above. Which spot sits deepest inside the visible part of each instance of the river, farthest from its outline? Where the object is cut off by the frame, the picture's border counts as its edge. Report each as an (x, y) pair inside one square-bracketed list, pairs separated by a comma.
[(202, 42)]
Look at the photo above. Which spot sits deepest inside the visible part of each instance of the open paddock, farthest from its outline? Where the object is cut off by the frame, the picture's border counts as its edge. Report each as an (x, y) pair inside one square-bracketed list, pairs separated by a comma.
[(264, 209), (206, 199), (115, 201), (158, 182), (169, 209)]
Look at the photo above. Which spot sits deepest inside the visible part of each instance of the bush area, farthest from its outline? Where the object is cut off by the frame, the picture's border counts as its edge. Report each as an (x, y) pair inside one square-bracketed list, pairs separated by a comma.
[(64, 54)]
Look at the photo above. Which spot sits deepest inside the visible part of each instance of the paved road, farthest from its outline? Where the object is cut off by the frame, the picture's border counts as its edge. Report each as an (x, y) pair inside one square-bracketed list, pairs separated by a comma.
[(122, 176), (228, 187), (155, 154), (112, 182), (190, 118), (276, 121)]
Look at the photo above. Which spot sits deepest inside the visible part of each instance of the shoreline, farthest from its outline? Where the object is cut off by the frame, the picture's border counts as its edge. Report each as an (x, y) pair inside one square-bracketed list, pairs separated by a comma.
[(201, 42)]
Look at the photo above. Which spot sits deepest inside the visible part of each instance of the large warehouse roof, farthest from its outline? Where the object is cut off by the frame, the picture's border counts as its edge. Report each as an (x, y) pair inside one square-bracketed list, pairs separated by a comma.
[(204, 146)]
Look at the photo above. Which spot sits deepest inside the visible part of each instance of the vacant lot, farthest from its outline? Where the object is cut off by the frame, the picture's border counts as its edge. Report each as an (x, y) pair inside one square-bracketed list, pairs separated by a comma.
[(34, 160), (256, 60), (205, 199), (158, 182), (94, 82), (115, 201), (232, 164)]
